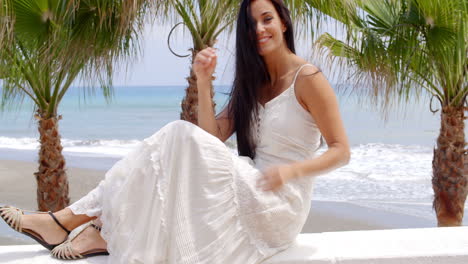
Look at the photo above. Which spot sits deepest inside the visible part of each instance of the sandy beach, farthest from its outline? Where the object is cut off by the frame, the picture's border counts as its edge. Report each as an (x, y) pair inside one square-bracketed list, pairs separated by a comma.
[(18, 188)]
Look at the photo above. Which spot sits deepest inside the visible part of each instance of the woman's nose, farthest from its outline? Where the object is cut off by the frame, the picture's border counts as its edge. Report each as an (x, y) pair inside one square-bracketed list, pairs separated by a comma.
[(260, 28)]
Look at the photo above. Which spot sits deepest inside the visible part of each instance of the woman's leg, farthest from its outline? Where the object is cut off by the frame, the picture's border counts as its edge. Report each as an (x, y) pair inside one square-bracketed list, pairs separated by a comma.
[(53, 229), (82, 211), (50, 231), (71, 220)]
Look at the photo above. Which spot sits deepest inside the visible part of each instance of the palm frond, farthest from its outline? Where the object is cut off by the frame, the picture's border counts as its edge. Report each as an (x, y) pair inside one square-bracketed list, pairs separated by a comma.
[(402, 47), (49, 43), (205, 20)]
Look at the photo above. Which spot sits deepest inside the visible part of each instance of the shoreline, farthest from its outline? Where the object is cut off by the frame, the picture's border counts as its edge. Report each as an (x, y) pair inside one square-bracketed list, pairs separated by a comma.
[(18, 188)]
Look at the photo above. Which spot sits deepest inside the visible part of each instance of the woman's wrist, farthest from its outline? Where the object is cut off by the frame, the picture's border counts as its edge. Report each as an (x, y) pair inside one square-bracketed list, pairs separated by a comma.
[(203, 87), (289, 172), (295, 171), (203, 80)]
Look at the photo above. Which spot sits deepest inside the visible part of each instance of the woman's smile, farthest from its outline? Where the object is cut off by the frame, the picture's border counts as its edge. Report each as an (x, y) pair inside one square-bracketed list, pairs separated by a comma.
[(264, 39)]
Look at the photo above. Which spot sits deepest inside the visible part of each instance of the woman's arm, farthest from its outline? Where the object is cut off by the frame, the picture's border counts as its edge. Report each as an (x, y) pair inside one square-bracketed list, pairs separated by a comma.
[(316, 95), (221, 125)]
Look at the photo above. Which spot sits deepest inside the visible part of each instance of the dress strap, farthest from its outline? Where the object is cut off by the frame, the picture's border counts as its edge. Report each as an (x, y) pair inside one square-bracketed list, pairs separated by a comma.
[(298, 71)]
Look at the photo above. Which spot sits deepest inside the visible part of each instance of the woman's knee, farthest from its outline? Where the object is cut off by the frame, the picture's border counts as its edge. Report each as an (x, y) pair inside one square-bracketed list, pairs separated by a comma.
[(178, 124)]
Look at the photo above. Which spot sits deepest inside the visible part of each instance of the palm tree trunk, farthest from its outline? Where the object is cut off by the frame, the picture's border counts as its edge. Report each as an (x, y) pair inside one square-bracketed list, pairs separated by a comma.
[(450, 171), (189, 103), (52, 181)]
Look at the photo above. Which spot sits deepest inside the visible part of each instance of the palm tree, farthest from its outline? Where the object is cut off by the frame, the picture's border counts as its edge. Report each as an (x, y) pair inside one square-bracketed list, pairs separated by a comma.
[(399, 47), (205, 20), (44, 46)]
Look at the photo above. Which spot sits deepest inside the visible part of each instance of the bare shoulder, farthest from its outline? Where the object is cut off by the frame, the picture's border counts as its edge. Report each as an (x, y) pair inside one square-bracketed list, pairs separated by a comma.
[(312, 86), (309, 69), (309, 74)]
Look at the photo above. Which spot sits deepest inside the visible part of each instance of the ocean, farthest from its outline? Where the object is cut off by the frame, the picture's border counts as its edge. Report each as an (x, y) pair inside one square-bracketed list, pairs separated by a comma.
[(391, 163)]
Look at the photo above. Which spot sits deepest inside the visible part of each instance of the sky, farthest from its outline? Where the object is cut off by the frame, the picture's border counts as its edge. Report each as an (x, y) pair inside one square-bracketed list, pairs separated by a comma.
[(158, 66)]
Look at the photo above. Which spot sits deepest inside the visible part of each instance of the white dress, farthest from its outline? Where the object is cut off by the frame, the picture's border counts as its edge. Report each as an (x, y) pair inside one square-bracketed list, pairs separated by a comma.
[(183, 197)]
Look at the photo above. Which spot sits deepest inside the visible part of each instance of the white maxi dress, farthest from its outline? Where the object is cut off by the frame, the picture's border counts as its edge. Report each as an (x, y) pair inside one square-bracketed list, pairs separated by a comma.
[(183, 196)]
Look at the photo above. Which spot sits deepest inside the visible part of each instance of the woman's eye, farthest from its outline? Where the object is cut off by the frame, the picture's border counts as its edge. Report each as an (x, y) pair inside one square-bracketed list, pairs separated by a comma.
[(267, 19)]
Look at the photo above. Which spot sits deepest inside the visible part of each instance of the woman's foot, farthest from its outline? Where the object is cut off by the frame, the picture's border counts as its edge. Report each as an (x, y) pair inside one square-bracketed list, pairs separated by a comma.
[(43, 227), (46, 227), (88, 240), (85, 244)]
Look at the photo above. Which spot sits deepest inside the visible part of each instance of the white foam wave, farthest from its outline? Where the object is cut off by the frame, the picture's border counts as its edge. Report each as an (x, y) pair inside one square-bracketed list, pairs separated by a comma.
[(369, 162), (110, 148), (387, 162), (381, 172)]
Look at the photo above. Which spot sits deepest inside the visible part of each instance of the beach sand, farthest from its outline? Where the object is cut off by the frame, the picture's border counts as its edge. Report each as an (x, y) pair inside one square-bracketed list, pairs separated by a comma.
[(18, 188)]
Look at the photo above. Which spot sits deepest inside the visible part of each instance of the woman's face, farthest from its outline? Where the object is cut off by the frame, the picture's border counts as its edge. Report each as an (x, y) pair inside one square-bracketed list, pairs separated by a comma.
[(270, 28)]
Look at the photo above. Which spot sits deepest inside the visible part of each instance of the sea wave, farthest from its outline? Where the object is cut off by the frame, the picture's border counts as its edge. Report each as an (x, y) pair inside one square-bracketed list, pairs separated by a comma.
[(380, 172), (100, 147), (387, 162), (369, 162)]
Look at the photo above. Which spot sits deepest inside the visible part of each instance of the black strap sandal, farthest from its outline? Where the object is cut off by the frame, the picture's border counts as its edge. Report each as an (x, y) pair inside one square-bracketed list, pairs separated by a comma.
[(13, 217), (65, 250)]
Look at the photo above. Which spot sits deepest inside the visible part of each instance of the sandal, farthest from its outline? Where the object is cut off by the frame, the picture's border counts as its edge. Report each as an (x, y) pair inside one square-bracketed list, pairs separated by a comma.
[(13, 217), (65, 251)]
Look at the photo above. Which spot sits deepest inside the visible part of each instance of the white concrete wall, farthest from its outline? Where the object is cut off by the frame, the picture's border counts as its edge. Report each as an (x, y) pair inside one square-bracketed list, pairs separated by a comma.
[(398, 246)]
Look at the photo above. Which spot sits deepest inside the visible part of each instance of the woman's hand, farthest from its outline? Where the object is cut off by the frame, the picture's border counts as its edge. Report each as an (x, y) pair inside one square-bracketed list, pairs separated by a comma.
[(205, 64), (275, 177)]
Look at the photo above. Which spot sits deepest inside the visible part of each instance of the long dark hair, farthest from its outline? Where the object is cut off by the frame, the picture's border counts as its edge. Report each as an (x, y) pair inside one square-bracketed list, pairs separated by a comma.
[(251, 74)]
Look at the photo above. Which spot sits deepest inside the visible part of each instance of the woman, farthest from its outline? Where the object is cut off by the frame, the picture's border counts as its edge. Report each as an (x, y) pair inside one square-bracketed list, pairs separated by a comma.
[(183, 196)]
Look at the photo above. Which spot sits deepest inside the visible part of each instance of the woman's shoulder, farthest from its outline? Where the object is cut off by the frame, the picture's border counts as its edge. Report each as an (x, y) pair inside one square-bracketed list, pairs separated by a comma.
[(311, 83), (307, 69), (306, 74), (308, 78)]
